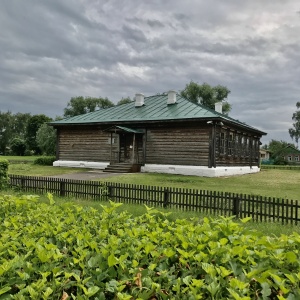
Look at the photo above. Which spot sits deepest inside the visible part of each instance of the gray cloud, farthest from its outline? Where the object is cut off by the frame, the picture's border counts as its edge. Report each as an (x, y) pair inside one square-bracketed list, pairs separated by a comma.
[(54, 50)]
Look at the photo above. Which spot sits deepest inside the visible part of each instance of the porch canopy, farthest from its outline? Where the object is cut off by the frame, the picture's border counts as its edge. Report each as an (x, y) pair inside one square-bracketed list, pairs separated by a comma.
[(118, 129)]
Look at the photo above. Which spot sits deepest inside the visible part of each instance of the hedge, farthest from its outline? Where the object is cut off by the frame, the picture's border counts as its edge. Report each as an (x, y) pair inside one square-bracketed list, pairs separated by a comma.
[(45, 160), (3, 173)]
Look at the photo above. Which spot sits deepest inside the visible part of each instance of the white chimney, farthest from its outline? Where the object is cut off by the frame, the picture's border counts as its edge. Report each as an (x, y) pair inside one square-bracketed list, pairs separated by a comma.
[(171, 97), (218, 107), (139, 100)]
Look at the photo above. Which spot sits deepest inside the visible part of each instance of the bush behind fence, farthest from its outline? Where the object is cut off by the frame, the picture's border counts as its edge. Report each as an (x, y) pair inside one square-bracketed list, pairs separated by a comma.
[(260, 208)]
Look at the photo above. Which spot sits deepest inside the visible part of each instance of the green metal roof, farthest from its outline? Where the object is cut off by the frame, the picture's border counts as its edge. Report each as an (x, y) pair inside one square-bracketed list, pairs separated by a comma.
[(290, 150), (154, 109)]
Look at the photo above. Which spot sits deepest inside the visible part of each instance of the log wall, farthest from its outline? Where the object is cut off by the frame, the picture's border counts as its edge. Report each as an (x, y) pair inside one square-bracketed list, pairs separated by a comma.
[(236, 148), (85, 143), (178, 146)]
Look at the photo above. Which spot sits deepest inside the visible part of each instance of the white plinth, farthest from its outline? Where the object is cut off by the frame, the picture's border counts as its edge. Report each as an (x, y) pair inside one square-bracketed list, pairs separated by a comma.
[(198, 170), (80, 164)]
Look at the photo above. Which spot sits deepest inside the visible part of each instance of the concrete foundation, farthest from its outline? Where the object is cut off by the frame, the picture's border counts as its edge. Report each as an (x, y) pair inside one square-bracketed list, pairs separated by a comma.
[(80, 164), (168, 169), (198, 170)]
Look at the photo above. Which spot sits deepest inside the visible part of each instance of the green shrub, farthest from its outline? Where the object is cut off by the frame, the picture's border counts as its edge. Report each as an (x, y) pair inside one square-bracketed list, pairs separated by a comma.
[(45, 160), (50, 250), (18, 147), (3, 173)]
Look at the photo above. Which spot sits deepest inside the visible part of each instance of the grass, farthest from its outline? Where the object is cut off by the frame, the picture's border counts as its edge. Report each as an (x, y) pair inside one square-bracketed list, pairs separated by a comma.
[(13, 159), (270, 183), (36, 170)]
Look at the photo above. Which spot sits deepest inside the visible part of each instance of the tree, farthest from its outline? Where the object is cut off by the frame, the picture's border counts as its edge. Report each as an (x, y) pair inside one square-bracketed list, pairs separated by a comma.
[(82, 105), (207, 95), (5, 131), (277, 149), (46, 139), (124, 101), (33, 126), (18, 146), (295, 131), (19, 124)]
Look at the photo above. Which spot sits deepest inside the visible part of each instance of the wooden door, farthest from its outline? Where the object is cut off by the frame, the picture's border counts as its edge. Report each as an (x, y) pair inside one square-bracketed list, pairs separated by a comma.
[(126, 147)]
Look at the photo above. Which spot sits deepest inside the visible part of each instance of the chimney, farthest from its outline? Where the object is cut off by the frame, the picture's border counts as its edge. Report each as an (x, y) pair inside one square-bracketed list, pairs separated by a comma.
[(171, 97), (218, 107), (139, 100)]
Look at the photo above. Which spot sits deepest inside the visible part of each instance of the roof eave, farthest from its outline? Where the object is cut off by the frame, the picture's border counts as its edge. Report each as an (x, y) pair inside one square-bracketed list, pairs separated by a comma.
[(217, 118)]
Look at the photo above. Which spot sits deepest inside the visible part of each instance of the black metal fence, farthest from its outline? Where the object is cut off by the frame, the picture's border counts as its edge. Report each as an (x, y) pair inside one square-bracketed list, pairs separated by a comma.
[(261, 209)]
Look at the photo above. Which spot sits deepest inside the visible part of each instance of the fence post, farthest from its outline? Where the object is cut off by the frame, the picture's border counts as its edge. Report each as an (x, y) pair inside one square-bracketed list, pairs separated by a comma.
[(236, 207), (166, 198), (110, 191), (62, 189), (22, 183)]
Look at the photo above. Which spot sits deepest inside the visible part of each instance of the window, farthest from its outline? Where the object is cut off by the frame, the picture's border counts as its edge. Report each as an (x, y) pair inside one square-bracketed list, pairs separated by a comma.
[(230, 144), (289, 158), (111, 141), (222, 143), (297, 158)]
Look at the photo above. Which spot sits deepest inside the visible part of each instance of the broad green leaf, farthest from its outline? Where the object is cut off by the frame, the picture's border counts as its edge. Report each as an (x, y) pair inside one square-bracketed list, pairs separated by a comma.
[(50, 198), (223, 271), (48, 292), (245, 220), (266, 291), (4, 290), (112, 260), (291, 278), (92, 290), (291, 257), (237, 284)]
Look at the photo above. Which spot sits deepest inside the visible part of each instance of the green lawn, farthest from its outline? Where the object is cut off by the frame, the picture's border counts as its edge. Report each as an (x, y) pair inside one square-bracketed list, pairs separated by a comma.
[(272, 183), (20, 158), (36, 170)]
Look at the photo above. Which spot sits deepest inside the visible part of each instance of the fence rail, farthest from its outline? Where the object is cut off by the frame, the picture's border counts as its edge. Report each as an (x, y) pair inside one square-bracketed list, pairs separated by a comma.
[(261, 209)]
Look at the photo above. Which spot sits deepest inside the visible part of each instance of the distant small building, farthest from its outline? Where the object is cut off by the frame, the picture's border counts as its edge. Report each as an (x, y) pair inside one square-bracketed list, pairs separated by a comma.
[(264, 154), (291, 155)]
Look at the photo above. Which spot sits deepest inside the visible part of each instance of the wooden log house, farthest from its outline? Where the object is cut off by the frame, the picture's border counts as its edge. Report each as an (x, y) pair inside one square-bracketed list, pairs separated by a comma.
[(162, 133)]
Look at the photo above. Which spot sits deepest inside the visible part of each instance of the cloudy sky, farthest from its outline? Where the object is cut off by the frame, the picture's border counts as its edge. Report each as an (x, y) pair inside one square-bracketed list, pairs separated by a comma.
[(52, 50)]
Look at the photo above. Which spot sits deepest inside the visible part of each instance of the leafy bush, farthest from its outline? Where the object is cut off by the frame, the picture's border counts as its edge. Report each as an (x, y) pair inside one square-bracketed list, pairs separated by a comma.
[(67, 250), (18, 147), (45, 160), (3, 173)]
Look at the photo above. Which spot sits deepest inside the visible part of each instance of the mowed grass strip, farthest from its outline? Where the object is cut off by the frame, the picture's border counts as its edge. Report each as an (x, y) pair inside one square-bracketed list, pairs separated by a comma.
[(269, 183), (14, 159), (29, 169)]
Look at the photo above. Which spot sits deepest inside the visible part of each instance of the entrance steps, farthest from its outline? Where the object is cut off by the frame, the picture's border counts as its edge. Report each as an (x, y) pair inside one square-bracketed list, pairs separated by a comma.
[(120, 168)]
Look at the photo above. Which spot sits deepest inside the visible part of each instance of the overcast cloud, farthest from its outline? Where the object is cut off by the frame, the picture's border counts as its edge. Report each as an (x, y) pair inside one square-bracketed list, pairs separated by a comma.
[(53, 50)]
